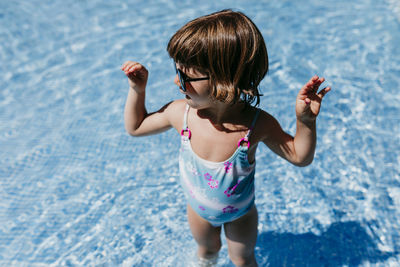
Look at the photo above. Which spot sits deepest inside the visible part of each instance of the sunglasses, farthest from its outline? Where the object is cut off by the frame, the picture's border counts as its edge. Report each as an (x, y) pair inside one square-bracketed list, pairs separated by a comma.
[(183, 78)]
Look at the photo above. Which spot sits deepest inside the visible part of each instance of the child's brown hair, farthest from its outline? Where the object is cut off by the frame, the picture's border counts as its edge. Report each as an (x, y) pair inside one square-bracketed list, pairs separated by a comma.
[(228, 47)]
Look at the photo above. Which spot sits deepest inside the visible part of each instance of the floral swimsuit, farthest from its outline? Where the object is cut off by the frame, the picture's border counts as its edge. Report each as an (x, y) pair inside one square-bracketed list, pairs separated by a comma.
[(220, 192)]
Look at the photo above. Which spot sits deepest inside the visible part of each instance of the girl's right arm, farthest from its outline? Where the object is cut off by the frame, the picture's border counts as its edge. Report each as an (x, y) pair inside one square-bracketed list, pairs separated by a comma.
[(137, 121)]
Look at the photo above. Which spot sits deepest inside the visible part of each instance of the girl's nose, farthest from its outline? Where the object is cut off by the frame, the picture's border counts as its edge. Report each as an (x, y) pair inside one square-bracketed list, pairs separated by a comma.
[(176, 80)]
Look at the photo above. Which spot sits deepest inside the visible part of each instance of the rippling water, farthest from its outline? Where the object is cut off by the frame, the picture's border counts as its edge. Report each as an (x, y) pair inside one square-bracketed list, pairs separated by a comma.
[(75, 189)]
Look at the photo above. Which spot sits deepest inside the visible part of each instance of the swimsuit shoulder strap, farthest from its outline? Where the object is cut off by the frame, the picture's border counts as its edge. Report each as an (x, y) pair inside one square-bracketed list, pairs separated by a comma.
[(185, 127), (253, 123), (185, 118)]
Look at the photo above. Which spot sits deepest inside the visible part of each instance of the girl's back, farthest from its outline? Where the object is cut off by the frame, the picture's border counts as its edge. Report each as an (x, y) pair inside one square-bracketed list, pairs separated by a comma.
[(217, 141)]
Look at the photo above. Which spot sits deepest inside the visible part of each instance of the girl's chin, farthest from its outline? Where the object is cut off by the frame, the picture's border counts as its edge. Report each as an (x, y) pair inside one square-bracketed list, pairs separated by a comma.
[(191, 103), (195, 105)]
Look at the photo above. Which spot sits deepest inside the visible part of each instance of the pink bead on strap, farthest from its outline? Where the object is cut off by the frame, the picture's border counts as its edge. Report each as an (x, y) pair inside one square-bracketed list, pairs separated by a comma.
[(184, 130), (244, 139)]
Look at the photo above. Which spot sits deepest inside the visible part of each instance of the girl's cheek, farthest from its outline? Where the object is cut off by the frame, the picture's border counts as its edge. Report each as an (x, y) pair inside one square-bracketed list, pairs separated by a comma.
[(189, 87)]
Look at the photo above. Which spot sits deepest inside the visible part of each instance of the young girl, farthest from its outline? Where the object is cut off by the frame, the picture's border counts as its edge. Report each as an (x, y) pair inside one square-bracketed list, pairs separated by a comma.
[(220, 60)]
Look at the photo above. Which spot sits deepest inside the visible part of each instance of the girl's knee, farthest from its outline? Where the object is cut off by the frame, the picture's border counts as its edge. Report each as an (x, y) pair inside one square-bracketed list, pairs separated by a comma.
[(210, 250), (245, 263), (241, 260)]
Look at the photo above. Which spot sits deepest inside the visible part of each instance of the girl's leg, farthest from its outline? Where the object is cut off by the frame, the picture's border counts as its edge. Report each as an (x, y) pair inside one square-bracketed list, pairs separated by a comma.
[(208, 237), (241, 237)]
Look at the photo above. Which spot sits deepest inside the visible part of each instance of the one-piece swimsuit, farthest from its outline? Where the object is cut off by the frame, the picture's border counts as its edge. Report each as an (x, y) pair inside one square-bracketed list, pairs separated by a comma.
[(219, 192)]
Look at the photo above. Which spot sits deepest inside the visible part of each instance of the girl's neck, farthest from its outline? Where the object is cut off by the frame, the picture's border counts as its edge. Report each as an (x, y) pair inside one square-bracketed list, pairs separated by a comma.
[(221, 113)]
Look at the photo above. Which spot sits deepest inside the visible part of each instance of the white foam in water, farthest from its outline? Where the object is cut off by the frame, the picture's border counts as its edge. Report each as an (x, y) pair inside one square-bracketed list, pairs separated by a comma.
[(76, 190), (395, 7)]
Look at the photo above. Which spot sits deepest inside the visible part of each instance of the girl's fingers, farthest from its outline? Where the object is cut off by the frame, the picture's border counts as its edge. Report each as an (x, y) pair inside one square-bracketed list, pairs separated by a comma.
[(134, 67), (323, 92), (125, 65), (314, 78), (134, 70), (128, 65), (318, 83), (313, 84), (131, 67)]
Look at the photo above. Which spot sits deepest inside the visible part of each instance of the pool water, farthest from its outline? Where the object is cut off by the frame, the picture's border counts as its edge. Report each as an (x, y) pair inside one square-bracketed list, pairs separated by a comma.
[(76, 190)]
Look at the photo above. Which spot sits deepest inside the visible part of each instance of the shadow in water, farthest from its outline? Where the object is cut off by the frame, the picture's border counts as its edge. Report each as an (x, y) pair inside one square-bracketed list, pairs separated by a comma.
[(345, 243)]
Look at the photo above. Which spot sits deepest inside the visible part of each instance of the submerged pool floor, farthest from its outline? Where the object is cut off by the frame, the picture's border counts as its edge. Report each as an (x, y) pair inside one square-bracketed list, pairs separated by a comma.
[(76, 190)]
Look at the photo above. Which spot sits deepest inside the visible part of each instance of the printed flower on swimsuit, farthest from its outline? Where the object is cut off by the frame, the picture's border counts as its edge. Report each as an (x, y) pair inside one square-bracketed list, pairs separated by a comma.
[(208, 176), (213, 183), (202, 208), (231, 190), (228, 166), (229, 209)]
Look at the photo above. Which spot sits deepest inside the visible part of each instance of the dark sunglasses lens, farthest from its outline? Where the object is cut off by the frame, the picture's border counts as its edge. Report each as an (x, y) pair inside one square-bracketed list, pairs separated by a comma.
[(181, 80)]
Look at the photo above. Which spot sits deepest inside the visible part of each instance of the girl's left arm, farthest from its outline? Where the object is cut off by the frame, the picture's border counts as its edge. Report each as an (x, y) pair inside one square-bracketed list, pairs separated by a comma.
[(299, 149), (308, 104)]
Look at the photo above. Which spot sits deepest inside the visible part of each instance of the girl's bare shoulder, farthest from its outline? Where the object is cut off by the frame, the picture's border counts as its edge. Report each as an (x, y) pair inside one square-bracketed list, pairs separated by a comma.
[(175, 111), (266, 126)]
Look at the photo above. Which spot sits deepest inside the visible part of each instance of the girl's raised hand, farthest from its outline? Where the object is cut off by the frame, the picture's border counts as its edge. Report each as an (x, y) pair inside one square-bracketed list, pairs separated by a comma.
[(137, 75), (309, 100)]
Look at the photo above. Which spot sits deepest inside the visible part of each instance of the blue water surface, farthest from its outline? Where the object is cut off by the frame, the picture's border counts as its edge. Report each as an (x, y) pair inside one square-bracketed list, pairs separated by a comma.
[(76, 190)]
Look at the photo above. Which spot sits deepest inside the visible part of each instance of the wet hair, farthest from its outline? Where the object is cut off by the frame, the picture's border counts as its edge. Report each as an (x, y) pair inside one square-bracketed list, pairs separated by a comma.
[(228, 47)]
